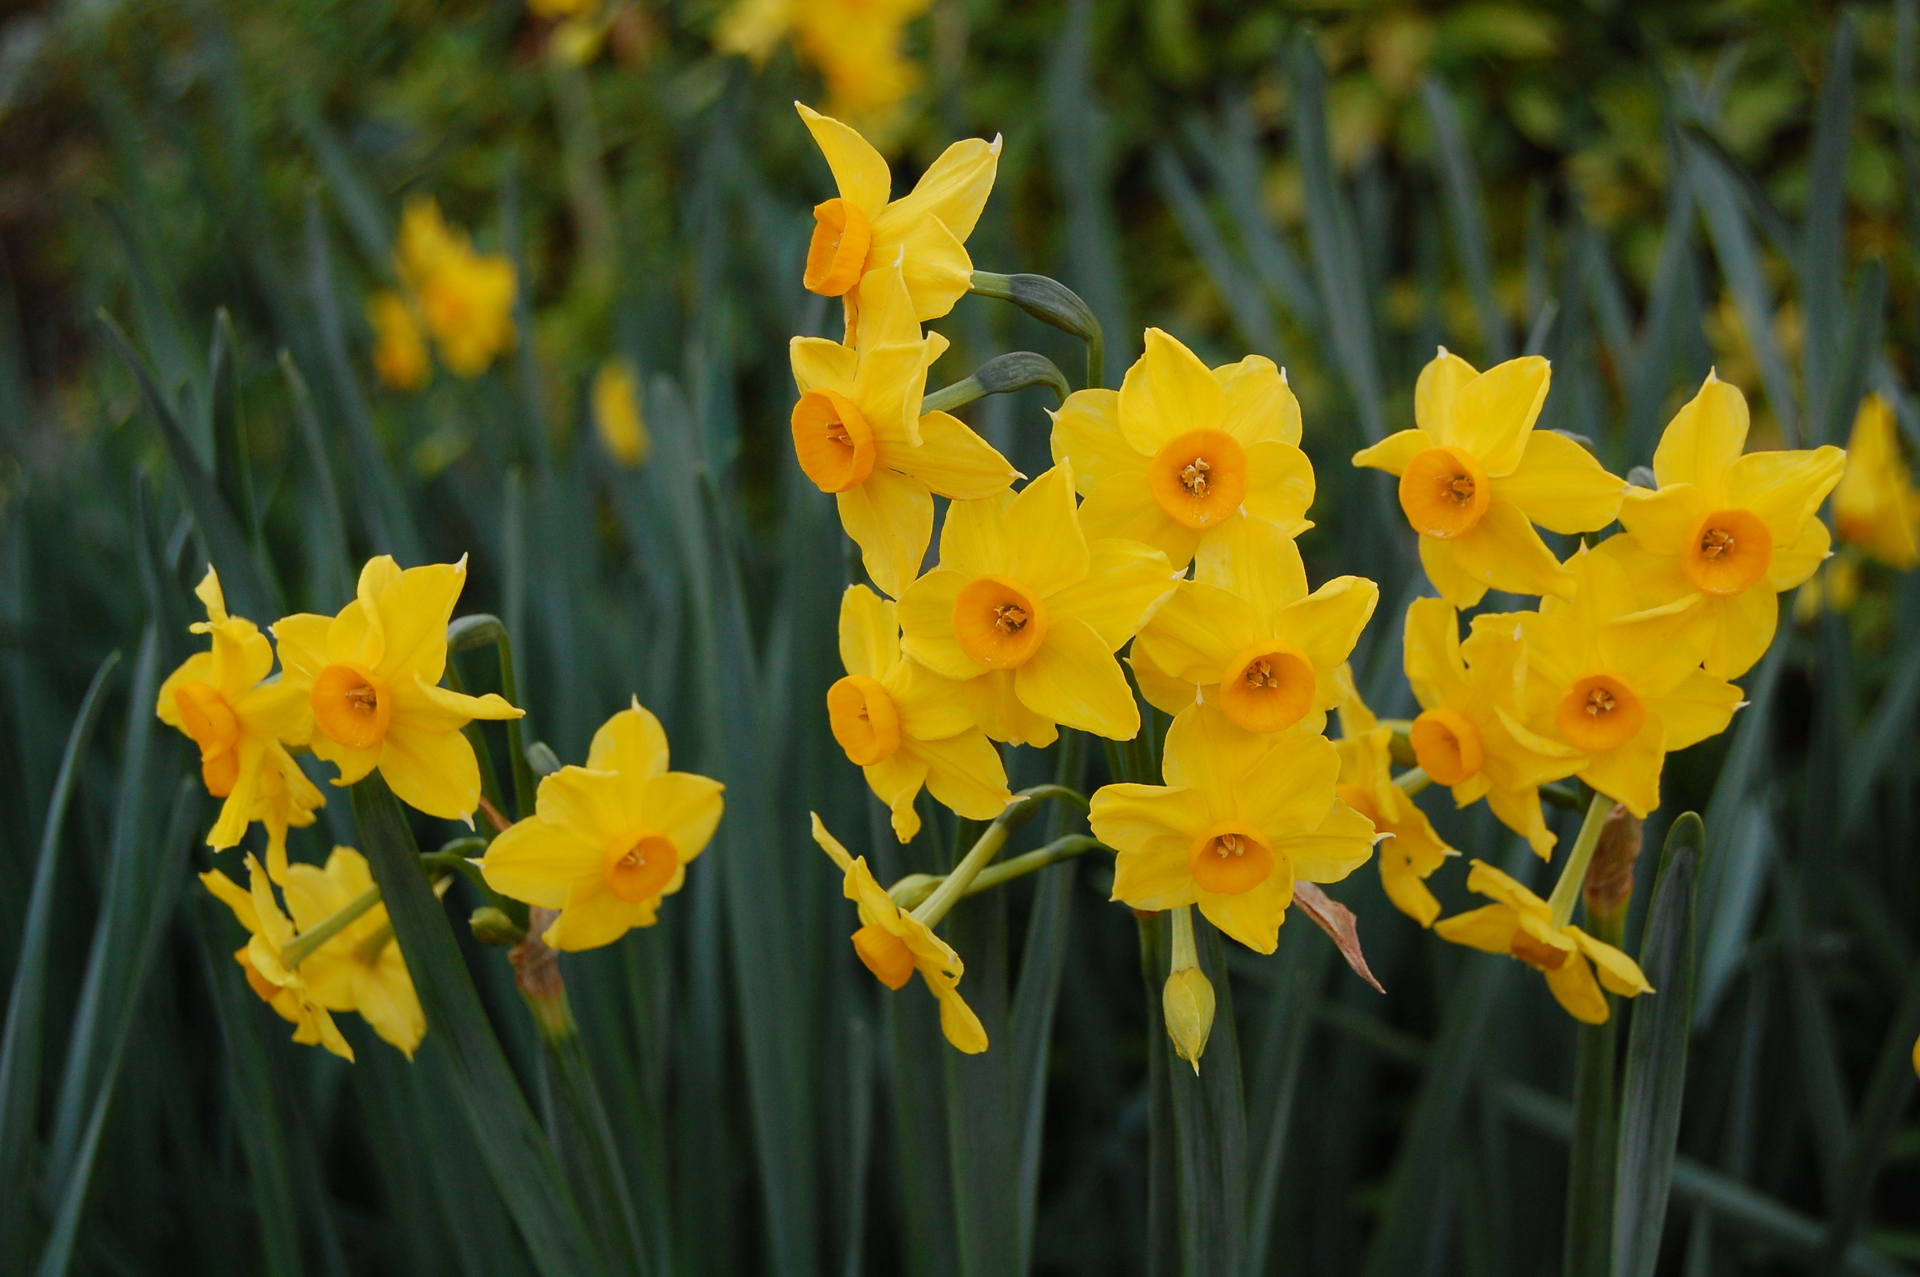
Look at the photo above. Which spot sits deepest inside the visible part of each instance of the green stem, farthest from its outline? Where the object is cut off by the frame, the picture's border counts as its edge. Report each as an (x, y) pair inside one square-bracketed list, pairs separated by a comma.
[(480, 630), (1025, 806), (1185, 953), (1050, 302), (301, 947), (915, 888), (452, 858), (1567, 891), (1412, 782)]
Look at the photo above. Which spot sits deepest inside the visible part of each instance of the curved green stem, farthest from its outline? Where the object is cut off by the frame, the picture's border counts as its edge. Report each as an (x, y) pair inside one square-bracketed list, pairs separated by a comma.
[(1051, 302), (1412, 782), (478, 631), (1574, 873), (1025, 806), (302, 947), (911, 890)]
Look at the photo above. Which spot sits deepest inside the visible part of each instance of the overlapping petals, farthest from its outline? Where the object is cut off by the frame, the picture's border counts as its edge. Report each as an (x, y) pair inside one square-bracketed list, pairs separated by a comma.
[(361, 968), (1875, 506), (1412, 851), (269, 930)]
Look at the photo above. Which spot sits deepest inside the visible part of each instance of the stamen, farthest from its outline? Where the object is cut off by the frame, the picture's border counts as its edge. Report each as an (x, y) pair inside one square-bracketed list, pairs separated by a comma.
[(1260, 674), (1459, 489), (1228, 845), (362, 698), (1011, 618), (1599, 701), (1194, 477), (1716, 542)]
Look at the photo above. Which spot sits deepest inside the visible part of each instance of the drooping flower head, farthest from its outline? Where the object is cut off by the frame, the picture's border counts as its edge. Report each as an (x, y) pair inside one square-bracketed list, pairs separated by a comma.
[(361, 968), (609, 840), (1725, 532), (223, 699), (1413, 850), (1181, 452), (1239, 821), (465, 298), (858, 433), (372, 675), (905, 726), (1875, 506), (1475, 476), (1027, 611), (269, 931), (893, 944), (1521, 924)]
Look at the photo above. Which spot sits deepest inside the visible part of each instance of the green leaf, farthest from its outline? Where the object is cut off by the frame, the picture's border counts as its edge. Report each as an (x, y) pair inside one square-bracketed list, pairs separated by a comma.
[(1230, 279), (983, 1119), (1462, 188), (1209, 1127), (334, 566), (1859, 350), (1821, 265), (587, 1149), (1163, 1175), (1590, 1159), (1082, 159), (1276, 1064), (1232, 156), (232, 467)]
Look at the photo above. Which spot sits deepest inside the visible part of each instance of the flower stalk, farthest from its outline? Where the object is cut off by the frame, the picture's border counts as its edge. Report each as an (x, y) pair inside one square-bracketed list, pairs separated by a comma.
[(302, 947), (1573, 875), (1025, 806)]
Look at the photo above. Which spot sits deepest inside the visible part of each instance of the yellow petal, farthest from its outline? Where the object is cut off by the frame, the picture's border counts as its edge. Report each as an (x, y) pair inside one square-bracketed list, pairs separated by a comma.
[(1123, 509), (683, 806), (951, 459), (1662, 521), (301, 640), (632, 743), (957, 1020), (994, 703), (211, 596), (859, 171), (1197, 631), (1486, 880), (1431, 647), (1619, 973), (1572, 986), (1493, 414), (1125, 581), (1433, 394), (233, 896), (593, 916), (869, 634), (1785, 488), (965, 774), (926, 623), (1490, 928), (431, 771), (822, 364), (1256, 560), (1046, 551), (386, 1000), (1164, 692), (414, 608), (1449, 573), (973, 538), (1700, 707), (1260, 404), (1074, 681), (1151, 828), (1086, 432), (1795, 563), (1504, 553), (954, 189), (896, 783), (1279, 485), (890, 517), (1742, 627), (1252, 917), (1560, 486), (1394, 452), (1341, 844), (1519, 810), (1281, 783), (1703, 440), (931, 706), (829, 844), (933, 261), (1631, 773), (1326, 624), (587, 806), (1168, 393), (197, 668)]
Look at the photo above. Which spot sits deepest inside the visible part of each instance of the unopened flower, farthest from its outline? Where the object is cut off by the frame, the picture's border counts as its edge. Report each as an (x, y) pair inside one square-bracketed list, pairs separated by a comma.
[(1875, 506), (269, 931), (1409, 857), (361, 968)]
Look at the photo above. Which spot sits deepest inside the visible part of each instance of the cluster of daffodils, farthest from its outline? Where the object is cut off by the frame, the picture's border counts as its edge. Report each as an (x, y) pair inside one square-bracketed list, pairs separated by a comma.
[(1166, 528), (461, 298)]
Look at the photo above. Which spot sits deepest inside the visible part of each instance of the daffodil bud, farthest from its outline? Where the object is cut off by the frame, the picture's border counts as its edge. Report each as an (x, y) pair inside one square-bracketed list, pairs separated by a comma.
[(1187, 1001), (491, 926)]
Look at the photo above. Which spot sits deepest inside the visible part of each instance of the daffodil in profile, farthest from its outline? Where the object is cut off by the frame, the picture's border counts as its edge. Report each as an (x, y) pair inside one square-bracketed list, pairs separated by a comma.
[(608, 841), (1239, 821), (270, 930), (1521, 924), (371, 676), (905, 726), (1246, 636), (1182, 452), (923, 233), (1622, 686), (1475, 477), (1875, 506), (361, 967), (893, 944), (1469, 735), (1412, 850), (859, 433), (1726, 533), (223, 700), (1027, 611)]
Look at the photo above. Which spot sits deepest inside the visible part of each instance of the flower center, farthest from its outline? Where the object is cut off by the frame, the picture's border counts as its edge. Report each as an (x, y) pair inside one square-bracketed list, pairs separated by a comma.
[(351, 705), (640, 866), (999, 623), (1728, 551), (885, 954), (1444, 492), (864, 720), (1230, 858), (1199, 478), (833, 441), (206, 717), (837, 256), (1447, 746), (1268, 687), (1599, 713)]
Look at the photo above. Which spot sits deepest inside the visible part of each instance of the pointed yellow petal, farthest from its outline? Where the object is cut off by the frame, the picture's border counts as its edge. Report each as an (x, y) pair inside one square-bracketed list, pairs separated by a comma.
[(1253, 917), (1326, 624), (1631, 773), (1431, 646), (593, 916), (926, 624), (1086, 432), (1074, 681), (1394, 452), (1449, 573), (1794, 563), (1125, 581), (1123, 508), (821, 364), (1490, 928), (829, 844), (951, 459), (1258, 561), (973, 537), (890, 517), (859, 171), (1338, 846), (683, 806), (964, 773), (1279, 485), (1785, 488), (1168, 393), (1504, 553), (414, 609), (931, 706), (1700, 707), (934, 263), (1433, 394), (1046, 550), (1493, 414), (1260, 404), (1572, 986), (869, 633), (1197, 631), (954, 189), (1703, 440), (586, 806), (1621, 974), (994, 703), (1560, 486)]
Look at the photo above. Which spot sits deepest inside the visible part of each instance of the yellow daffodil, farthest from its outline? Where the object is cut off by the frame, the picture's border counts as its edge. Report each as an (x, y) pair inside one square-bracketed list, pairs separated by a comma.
[(465, 298), (269, 930), (1240, 820), (859, 434), (893, 944), (1469, 735), (616, 413), (1244, 634), (1725, 532), (855, 44), (1521, 924), (1475, 476), (905, 726), (923, 234), (1620, 685), (399, 348), (372, 674), (1027, 611), (361, 968), (1181, 452), (1409, 857), (1875, 507), (609, 840), (223, 700)]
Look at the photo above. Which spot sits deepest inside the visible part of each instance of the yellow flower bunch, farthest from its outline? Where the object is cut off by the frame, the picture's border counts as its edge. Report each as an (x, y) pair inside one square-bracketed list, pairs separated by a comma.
[(269, 930), (461, 298), (855, 45)]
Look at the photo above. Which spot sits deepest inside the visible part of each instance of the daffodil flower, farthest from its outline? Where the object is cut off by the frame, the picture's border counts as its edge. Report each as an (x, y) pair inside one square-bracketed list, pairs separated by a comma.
[(858, 433), (855, 44), (1521, 924), (1875, 506), (1470, 736), (372, 674), (223, 700), (361, 968), (610, 840), (465, 298), (1726, 533), (1028, 612), (923, 233), (1180, 453), (905, 726), (1475, 476), (399, 347), (1622, 686), (1239, 821), (1409, 857), (893, 944), (269, 930), (1246, 636)]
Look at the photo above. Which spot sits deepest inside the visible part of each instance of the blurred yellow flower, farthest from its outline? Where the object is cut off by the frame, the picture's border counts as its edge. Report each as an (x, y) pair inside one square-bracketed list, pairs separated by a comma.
[(1028, 612), (465, 298), (1726, 533), (1469, 736), (223, 700), (1521, 924), (372, 674), (1875, 506), (609, 840), (1182, 452), (855, 44), (269, 930), (556, 9), (616, 413), (361, 968), (859, 434), (905, 726), (1239, 821), (399, 349), (1409, 857), (1244, 635), (923, 234), (893, 944), (1475, 476), (1835, 586)]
